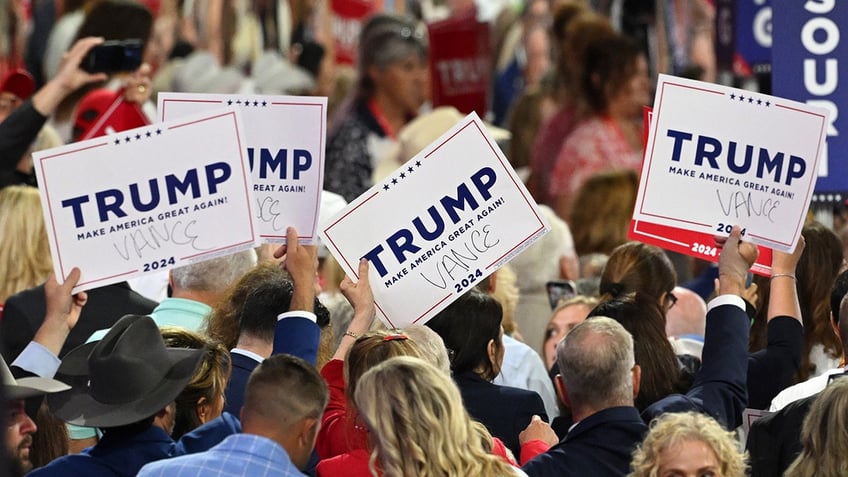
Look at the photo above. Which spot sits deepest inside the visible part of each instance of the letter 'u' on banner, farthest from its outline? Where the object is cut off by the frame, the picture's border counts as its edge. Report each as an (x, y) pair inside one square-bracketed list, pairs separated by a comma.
[(437, 226)]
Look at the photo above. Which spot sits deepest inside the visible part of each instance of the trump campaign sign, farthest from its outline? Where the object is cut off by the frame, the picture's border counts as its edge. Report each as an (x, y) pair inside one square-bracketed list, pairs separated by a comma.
[(441, 223), (719, 156), (459, 63), (285, 137), (148, 199)]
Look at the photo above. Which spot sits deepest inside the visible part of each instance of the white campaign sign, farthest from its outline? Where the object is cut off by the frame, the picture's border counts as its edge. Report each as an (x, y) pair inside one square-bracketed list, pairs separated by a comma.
[(285, 137), (441, 223), (718, 156), (148, 199)]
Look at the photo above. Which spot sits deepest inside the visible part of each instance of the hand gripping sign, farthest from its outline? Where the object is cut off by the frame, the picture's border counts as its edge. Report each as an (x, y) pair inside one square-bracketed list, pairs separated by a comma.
[(439, 225), (718, 156), (148, 199), (285, 137)]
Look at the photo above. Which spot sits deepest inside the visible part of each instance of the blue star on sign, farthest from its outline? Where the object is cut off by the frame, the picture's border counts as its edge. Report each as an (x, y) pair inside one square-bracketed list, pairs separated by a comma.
[(394, 181), (256, 103), (229, 102), (127, 139), (750, 99), (403, 175), (264, 103), (238, 101), (410, 169), (732, 95), (148, 134), (759, 102), (417, 163), (386, 187), (768, 104), (158, 132), (117, 142), (137, 137), (741, 98)]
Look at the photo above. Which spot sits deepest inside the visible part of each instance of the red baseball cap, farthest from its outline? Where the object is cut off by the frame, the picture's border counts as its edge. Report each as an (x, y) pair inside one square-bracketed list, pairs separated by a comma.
[(103, 111), (18, 82)]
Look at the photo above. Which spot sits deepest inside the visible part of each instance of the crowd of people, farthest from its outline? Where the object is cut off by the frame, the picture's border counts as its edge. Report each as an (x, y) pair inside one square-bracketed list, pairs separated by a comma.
[(587, 354)]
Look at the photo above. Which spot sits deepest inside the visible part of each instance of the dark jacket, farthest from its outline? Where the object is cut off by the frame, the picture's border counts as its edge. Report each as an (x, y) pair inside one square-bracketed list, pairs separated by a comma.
[(600, 445), (24, 312), (505, 411)]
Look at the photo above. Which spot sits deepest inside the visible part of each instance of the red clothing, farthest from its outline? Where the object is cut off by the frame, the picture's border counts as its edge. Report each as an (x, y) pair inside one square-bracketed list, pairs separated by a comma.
[(546, 149), (597, 144), (531, 449), (338, 434), (355, 463)]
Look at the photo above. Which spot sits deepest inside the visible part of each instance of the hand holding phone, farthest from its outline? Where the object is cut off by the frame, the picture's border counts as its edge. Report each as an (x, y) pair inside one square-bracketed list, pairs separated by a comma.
[(114, 57)]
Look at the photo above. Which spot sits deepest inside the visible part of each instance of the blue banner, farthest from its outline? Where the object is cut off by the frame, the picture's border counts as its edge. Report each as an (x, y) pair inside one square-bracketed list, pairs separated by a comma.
[(808, 62), (753, 31)]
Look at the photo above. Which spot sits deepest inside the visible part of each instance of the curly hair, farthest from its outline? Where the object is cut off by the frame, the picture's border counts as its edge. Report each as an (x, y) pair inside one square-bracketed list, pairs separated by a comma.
[(209, 381), (418, 425), (673, 429), (824, 435), (25, 259)]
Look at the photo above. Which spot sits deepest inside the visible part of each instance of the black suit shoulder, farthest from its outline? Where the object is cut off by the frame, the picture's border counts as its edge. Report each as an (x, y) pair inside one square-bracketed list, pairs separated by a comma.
[(24, 312)]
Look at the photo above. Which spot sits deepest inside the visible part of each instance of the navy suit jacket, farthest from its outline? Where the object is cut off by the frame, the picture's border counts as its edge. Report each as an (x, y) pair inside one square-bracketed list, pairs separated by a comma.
[(234, 394), (720, 387), (294, 335), (505, 411), (600, 445)]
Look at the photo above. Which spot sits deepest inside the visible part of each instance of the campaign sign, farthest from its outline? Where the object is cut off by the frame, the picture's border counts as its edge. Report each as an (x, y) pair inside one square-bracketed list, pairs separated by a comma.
[(347, 17), (718, 156), (810, 64), (148, 199), (437, 226), (694, 244), (459, 63), (285, 138)]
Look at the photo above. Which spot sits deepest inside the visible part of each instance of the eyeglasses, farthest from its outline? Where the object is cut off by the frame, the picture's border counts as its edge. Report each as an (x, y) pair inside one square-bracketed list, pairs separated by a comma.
[(671, 300)]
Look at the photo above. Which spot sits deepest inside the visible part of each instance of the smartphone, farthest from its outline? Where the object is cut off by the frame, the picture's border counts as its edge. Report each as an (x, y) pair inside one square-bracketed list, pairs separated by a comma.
[(114, 56), (560, 290)]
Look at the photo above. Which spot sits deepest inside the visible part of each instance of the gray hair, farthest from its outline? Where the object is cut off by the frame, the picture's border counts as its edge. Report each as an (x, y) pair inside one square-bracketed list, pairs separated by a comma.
[(386, 39), (214, 275), (595, 360), (431, 346)]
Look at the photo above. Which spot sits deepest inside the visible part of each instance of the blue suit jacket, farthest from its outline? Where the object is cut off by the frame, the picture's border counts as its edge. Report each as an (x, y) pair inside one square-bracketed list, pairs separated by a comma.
[(119, 455), (720, 387), (505, 411), (600, 445), (234, 394), (294, 335)]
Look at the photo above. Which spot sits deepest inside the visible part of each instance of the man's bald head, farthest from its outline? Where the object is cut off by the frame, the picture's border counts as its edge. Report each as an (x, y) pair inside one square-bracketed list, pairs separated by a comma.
[(688, 316)]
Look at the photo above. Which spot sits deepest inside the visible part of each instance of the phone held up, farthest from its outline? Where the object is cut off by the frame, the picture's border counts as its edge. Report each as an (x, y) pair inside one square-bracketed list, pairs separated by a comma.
[(559, 290), (114, 56)]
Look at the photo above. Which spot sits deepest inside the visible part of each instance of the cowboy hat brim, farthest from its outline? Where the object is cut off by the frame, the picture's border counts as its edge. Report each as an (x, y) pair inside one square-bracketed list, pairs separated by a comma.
[(31, 387), (76, 406)]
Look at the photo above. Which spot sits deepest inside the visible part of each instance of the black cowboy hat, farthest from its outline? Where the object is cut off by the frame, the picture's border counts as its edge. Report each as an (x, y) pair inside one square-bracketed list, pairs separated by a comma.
[(127, 376)]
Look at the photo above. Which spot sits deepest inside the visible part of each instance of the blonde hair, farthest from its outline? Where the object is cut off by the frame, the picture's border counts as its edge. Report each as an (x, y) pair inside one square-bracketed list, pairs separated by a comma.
[(824, 435), (209, 380), (25, 259), (673, 429), (418, 425)]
